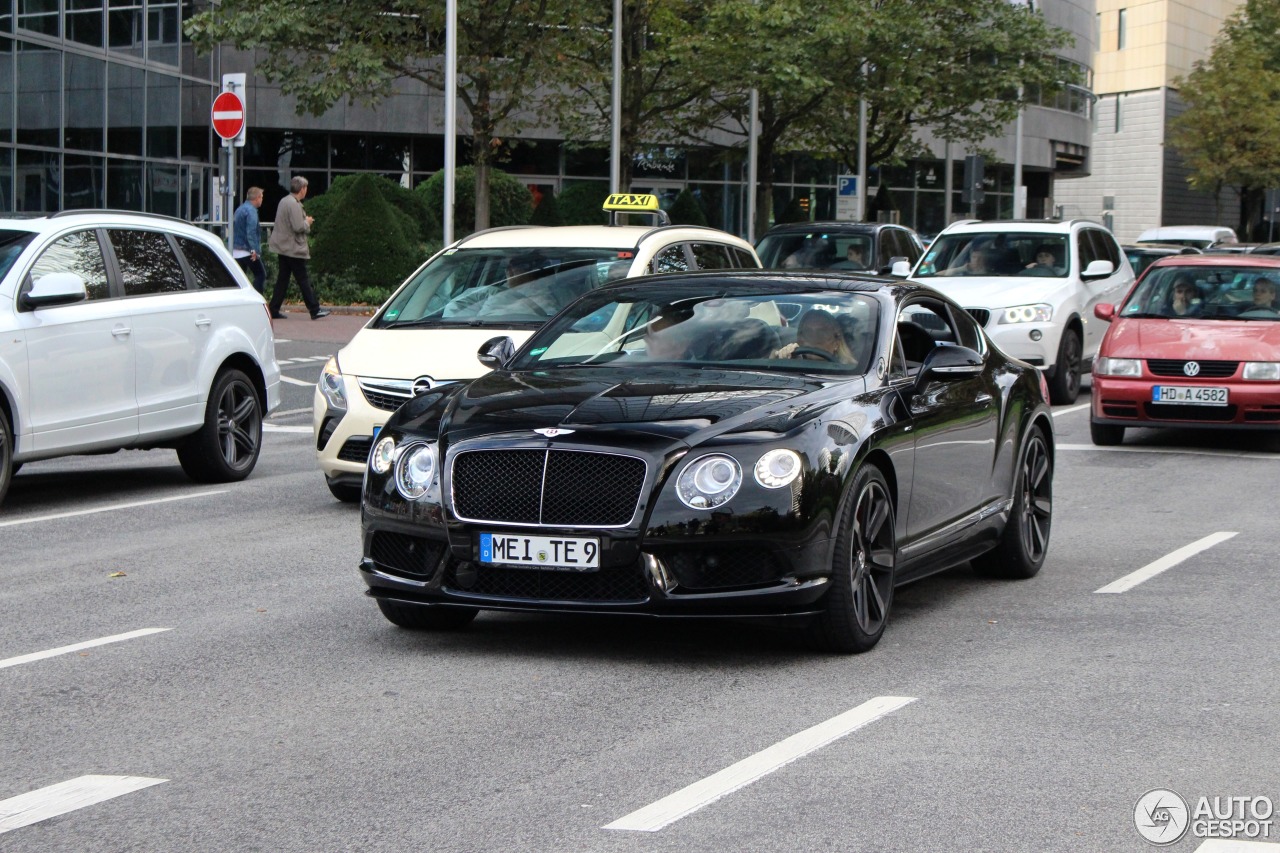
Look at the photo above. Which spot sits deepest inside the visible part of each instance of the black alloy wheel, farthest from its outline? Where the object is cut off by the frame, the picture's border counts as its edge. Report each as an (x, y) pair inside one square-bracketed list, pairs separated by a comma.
[(227, 446), (1064, 388), (1025, 541), (7, 468), (862, 578)]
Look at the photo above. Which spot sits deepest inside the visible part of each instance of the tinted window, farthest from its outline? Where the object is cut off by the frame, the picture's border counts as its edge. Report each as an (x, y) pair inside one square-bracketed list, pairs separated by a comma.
[(742, 258), (1088, 249), (147, 263), (11, 245), (77, 253), (670, 259), (711, 256), (208, 271)]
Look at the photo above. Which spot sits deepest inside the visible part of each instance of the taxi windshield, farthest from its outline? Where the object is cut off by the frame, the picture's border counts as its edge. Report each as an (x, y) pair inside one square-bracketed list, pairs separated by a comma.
[(501, 287), (996, 254), (1206, 293), (748, 327)]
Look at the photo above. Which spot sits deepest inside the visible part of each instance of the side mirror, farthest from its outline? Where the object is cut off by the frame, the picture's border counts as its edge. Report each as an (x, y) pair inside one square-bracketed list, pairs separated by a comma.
[(58, 288), (1104, 311), (495, 353), (899, 267), (1098, 269), (947, 364)]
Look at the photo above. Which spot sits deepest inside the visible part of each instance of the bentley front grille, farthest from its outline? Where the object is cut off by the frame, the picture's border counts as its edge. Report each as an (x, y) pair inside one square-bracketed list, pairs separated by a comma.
[(564, 488)]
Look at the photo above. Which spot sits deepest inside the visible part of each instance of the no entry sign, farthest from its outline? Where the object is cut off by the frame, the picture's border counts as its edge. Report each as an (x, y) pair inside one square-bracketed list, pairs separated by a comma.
[(228, 115)]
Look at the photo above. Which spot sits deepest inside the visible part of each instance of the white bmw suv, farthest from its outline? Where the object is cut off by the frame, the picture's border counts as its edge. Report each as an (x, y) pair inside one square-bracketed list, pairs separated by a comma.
[(128, 330), (1032, 284)]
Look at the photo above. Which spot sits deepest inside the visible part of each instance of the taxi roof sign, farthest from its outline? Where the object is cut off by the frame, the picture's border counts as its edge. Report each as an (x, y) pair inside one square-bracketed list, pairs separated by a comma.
[(640, 203), (618, 203)]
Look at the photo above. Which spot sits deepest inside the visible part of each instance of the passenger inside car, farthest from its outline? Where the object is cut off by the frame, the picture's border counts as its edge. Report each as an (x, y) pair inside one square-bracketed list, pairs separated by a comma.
[(855, 257), (1046, 262), (1264, 295), (981, 261), (1184, 298)]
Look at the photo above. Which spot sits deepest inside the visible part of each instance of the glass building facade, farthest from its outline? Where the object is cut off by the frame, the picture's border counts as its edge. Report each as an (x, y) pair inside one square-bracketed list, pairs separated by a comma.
[(103, 104)]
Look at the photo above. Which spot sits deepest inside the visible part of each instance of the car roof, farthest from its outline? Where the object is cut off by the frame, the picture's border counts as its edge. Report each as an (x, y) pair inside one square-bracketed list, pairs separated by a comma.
[(98, 218), (1247, 259), (834, 226), (1034, 226), (589, 236), (1161, 248), (784, 280)]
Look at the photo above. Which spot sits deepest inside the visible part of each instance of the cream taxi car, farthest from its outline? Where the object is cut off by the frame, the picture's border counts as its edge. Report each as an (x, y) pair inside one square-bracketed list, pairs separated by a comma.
[(503, 281)]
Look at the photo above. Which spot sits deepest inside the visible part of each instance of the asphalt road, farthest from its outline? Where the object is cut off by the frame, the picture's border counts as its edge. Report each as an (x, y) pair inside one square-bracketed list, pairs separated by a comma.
[(277, 711)]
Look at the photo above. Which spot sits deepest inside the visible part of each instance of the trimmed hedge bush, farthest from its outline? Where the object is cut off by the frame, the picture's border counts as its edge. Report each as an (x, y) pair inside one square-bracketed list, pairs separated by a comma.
[(370, 246), (582, 204), (510, 202), (687, 210), (415, 217), (547, 212)]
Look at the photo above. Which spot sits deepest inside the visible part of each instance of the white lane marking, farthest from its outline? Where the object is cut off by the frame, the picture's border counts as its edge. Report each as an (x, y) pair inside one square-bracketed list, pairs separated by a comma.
[(1068, 411), (283, 341), (1232, 845), (1165, 563), (114, 507), (288, 412), (87, 644), (35, 806), (1176, 451), (687, 800), (282, 428), (292, 381)]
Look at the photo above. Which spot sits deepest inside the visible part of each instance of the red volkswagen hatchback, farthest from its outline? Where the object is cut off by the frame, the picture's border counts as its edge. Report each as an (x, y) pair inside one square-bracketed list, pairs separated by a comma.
[(1196, 343)]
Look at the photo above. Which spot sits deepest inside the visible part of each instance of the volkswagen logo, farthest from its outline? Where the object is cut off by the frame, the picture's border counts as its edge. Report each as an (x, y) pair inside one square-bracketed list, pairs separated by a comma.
[(1191, 368), (422, 385)]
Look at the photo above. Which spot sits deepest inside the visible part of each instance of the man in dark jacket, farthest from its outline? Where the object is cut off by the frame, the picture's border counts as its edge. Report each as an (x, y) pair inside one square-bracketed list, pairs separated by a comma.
[(246, 238)]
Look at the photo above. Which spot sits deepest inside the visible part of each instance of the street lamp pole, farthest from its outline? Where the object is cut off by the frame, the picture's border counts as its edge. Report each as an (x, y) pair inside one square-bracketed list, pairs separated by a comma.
[(753, 144), (450, 113), (615, 134)]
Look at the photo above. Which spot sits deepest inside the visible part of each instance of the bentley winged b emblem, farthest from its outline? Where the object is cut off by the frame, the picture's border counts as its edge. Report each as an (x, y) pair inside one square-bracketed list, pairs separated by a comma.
[(552, 432)]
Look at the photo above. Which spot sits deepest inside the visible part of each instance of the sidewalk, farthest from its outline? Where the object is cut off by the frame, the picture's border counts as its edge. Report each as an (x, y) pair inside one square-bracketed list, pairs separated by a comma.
[(339, 327)]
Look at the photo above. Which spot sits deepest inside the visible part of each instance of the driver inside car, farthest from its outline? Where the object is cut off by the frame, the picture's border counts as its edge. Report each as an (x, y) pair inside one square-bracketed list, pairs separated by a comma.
[(818, 338)]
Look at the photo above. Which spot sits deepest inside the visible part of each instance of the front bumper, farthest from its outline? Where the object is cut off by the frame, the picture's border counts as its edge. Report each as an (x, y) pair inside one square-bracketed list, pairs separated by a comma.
[(739, 576), (1124, 401), (1015, 339)]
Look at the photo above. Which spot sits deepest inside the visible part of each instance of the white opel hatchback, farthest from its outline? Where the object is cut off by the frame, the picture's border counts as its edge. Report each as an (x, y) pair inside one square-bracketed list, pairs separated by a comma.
[(499, 282), (126, 330)]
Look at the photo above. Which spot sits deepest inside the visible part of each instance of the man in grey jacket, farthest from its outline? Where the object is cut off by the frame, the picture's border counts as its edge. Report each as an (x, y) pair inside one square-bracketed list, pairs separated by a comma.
[(289, 242)]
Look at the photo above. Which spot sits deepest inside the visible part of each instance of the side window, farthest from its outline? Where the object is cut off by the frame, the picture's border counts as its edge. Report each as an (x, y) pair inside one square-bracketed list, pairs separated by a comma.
[(711, 256), (670, 259), (886, 248), (1087, 251), (1110, 250), (742, 258), (77, 253), (967, 332), (208, 271), (147, 262)]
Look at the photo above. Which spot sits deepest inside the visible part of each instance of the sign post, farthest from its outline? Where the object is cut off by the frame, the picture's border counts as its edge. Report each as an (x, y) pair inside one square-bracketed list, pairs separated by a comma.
[(229, 122)]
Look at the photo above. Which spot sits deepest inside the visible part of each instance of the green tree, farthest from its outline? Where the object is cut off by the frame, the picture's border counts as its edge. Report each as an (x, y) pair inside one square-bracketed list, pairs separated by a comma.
[(416, 220), (547, 212), (322, 51), (1229, 135), (510, 200), (370, 245), (583, 203)]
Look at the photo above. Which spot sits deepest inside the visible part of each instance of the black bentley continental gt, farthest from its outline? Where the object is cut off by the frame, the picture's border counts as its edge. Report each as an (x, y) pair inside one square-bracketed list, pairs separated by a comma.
[(730, 444)]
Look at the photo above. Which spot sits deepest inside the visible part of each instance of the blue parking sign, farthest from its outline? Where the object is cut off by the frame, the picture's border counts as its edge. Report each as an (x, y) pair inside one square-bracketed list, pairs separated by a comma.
[(847, 185)]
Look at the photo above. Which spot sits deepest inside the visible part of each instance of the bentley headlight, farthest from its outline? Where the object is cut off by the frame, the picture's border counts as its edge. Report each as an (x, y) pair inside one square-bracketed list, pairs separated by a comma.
[(1266, 371), (709, 481), (1027, 314), (1118, 367), (383, 455), (331, 385), (415, 469), (778, 468)]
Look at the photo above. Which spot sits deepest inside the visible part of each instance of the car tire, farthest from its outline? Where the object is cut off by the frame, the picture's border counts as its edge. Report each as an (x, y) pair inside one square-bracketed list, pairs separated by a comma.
[(7, 468), (862, 574), (1106, 435), (226, 447), (417, 618), (1064, 387), (1025, 539), (344, 492)]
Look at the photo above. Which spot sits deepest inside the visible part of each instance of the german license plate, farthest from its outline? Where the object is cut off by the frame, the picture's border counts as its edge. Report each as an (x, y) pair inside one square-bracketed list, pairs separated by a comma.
[(1189, 395), (540, 552)]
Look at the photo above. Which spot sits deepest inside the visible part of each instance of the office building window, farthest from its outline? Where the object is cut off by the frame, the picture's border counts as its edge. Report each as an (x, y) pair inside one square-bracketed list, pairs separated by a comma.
[(40, 16), (86, 22), (86, 103), (39, 95), (1121, 25), (162, 115), (6, 90), (125, 109)]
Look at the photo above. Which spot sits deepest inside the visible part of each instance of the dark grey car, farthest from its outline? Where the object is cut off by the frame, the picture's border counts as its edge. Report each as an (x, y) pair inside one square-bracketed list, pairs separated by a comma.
[(860, 246)]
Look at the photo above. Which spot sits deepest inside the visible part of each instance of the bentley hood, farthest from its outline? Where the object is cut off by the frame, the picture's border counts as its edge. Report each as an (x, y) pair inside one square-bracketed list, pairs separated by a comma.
[(676, 405)]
